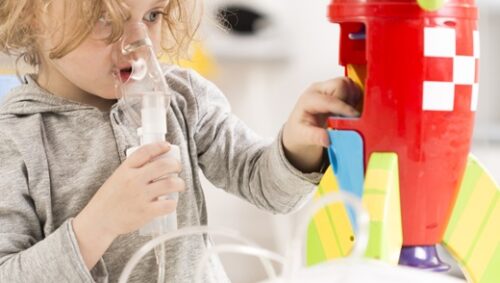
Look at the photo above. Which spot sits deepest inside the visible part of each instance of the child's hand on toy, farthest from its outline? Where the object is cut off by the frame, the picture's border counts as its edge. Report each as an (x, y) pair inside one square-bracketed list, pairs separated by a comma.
[(128, 199), (304, 134)]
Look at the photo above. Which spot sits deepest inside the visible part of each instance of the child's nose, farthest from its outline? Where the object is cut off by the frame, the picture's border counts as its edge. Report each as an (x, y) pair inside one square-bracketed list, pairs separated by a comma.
[(135, 36)]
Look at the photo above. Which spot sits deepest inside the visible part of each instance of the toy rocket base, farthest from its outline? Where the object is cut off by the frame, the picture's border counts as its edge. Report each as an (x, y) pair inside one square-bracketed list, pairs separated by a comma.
[(422, 257), (471, 236)]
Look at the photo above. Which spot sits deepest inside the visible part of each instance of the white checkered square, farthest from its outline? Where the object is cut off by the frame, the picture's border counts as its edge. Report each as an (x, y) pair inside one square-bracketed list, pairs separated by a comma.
[(439, 96), (475, 97), (464, 70), (477, 45), (440, 42)]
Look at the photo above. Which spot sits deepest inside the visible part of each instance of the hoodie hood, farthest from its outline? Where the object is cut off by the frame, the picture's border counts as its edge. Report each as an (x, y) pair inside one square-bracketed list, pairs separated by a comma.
[(30, 98)]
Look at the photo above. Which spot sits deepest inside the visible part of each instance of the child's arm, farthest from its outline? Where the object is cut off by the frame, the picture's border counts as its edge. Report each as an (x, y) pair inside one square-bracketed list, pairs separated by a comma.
[(234, 158), (26, 253)]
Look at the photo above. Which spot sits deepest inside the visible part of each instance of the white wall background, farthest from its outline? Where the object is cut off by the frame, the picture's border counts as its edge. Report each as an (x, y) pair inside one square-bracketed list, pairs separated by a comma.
[(488, 116)]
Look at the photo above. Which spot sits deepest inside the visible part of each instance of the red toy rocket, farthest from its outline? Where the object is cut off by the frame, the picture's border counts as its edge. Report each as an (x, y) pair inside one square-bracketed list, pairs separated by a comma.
[(420, 71)]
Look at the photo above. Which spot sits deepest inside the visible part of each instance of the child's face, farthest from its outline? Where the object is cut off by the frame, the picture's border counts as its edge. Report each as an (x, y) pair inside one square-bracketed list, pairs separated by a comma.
[(89, 68)]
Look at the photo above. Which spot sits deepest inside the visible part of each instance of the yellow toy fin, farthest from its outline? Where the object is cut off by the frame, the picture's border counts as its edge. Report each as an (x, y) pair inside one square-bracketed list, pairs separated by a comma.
[(473, 232), (381, 199), (330, 233)]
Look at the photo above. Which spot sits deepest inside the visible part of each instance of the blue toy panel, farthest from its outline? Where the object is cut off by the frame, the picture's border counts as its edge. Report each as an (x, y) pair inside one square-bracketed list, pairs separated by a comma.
[(346, 156)]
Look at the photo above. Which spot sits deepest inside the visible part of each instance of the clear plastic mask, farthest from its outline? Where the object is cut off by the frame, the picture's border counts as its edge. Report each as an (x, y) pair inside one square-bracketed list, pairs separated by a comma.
[(144, 93)]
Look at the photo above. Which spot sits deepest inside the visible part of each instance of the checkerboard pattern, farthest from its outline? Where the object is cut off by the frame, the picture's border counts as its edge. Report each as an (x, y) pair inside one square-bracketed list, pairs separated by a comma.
[(451, 59)]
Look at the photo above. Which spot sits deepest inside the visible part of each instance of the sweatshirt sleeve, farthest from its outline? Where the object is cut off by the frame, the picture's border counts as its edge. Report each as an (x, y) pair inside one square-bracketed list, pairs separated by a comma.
[(26, 254), (234, 158)]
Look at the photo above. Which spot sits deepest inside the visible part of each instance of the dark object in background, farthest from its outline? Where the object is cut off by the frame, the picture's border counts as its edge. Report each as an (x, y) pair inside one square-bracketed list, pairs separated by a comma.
[(241, 20)]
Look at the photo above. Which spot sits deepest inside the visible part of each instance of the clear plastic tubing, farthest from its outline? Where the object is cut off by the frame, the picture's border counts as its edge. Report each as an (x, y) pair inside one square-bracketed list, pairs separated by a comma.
[(197, 230)]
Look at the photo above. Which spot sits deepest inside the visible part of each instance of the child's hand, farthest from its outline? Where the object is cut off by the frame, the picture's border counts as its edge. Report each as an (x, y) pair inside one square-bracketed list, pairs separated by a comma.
[(304, 134), (128, 200)]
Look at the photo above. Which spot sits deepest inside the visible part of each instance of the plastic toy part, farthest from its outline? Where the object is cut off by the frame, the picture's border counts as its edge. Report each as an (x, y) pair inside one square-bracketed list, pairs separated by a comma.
[(423, 257), (473, 233), (346, 156), (381, 199), (357, 73), (330, 234), (417, 61), (431, 5), (420, 99)]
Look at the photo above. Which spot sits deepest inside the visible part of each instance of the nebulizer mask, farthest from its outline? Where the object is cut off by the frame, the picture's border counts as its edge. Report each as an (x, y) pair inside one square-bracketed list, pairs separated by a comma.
[(144, 101), (145, 96)]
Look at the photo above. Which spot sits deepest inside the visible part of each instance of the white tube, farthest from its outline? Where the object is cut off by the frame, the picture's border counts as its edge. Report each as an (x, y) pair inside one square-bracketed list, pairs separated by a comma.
[(134, 260), (239, 249), (294, 256)]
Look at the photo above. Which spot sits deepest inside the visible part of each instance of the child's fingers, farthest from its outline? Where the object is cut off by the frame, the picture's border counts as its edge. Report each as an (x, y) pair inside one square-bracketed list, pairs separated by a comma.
[(343, 88), (316, 135), (330, 87), (164, 187), (147, 153), (160, 167), (317, 103)]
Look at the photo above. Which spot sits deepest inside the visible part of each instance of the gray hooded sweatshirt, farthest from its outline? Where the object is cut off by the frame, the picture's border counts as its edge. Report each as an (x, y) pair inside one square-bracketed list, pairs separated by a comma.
[(56, 153)]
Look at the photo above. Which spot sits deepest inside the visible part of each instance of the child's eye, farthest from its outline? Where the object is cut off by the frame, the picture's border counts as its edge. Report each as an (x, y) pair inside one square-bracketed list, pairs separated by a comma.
[(153, 16)]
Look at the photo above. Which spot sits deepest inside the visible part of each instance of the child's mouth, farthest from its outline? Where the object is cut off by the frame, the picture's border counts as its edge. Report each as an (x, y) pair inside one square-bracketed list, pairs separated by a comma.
[(125, 74)]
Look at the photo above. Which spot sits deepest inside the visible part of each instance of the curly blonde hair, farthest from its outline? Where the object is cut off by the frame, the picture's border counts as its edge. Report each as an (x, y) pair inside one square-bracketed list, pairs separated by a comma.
[(21, 26)]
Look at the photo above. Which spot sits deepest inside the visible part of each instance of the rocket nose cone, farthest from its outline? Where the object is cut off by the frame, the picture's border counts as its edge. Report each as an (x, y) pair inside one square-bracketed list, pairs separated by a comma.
[(431, 5)]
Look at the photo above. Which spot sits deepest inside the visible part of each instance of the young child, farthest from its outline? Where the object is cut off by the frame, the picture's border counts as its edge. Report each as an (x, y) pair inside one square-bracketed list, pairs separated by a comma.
[(71, 201)]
